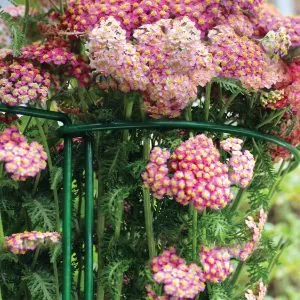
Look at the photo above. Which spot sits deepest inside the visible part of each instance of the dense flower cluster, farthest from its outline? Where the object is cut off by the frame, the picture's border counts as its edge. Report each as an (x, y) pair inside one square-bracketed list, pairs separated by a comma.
[(22, 159), (167, 64), (198, 175), (57, 51), (261, 292), (21, 82), (242, 163), (193, 173), (234, 55), (83, 15), (180, 280), (216, 264), (20, 243), (275, 99), (269, 20)]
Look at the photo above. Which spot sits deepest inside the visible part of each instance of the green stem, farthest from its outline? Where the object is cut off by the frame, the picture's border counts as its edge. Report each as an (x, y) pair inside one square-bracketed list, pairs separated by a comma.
[(147, 207), (26, 15), (207, 101), (236, 274), (227, 105), (119, 288), (61, 6), (237, 200), (272, 117), (2, 237), (195, 233), (55, 196), (128, 108)]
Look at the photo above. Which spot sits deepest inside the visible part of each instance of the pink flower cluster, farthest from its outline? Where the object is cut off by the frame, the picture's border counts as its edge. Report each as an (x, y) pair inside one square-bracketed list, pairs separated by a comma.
[(269, 20), (156, 176), (20, 243), (261, 290), (180, 280), (22, 160), (83, 15), (194, 173), (21, 82), (57, 51), (216, 263), (241, 163), (244, 252), (242, 58), (166, 62)]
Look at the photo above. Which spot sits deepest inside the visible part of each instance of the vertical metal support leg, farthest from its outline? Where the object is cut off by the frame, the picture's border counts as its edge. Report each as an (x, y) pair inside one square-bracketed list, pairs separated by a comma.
[(67, 220), (89, 220)]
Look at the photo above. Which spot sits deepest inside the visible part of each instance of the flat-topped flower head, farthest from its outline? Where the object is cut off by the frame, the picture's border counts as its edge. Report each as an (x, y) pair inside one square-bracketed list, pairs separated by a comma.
[(21, 243), (274, 99), (180, 280), (242, 58), (22, 160), (21, 83)]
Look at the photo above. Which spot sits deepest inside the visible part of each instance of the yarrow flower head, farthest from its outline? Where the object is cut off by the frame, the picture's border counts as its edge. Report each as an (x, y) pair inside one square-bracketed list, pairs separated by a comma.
[(58, 52), (21, 82), (194, 174), (21, 243), (180, 280), (166, 63), (242, 58), (241, 163), (22, 160), (216, 263), (261, 292)]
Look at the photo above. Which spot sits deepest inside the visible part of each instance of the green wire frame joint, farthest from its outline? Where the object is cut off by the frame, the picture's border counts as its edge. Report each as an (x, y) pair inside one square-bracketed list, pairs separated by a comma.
[(68, 131)]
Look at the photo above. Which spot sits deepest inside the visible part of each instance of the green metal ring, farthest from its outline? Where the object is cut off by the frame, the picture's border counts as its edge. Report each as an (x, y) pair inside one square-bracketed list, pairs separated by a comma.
[(81, 130)]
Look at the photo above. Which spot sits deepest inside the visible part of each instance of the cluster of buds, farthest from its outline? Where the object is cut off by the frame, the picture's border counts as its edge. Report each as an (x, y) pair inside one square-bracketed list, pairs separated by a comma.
[(21, 82), (261, 292), (274, 99), (216, 263), (20, 243), (193, 173), (22, 160), (241, 163), (180, 280)]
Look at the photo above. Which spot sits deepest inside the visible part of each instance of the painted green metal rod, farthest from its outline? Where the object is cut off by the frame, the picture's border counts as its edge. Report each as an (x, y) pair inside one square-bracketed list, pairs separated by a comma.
[(89, 220), (35, 112), (67, 220), (80, 130)]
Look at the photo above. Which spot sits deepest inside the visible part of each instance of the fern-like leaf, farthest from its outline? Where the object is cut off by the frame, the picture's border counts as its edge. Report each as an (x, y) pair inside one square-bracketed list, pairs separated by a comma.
[(18, 37), (41, 212), (40, 284), (232, 85)]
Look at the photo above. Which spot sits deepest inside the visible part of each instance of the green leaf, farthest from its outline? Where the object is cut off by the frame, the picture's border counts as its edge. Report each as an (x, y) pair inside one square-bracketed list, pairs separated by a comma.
[(232, 85), (40, 284), (18, 37), (56, 177), (41, 212)]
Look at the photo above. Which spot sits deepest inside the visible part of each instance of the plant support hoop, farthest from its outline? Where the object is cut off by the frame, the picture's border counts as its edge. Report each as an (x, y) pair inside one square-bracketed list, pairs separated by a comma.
[(68, 131)]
